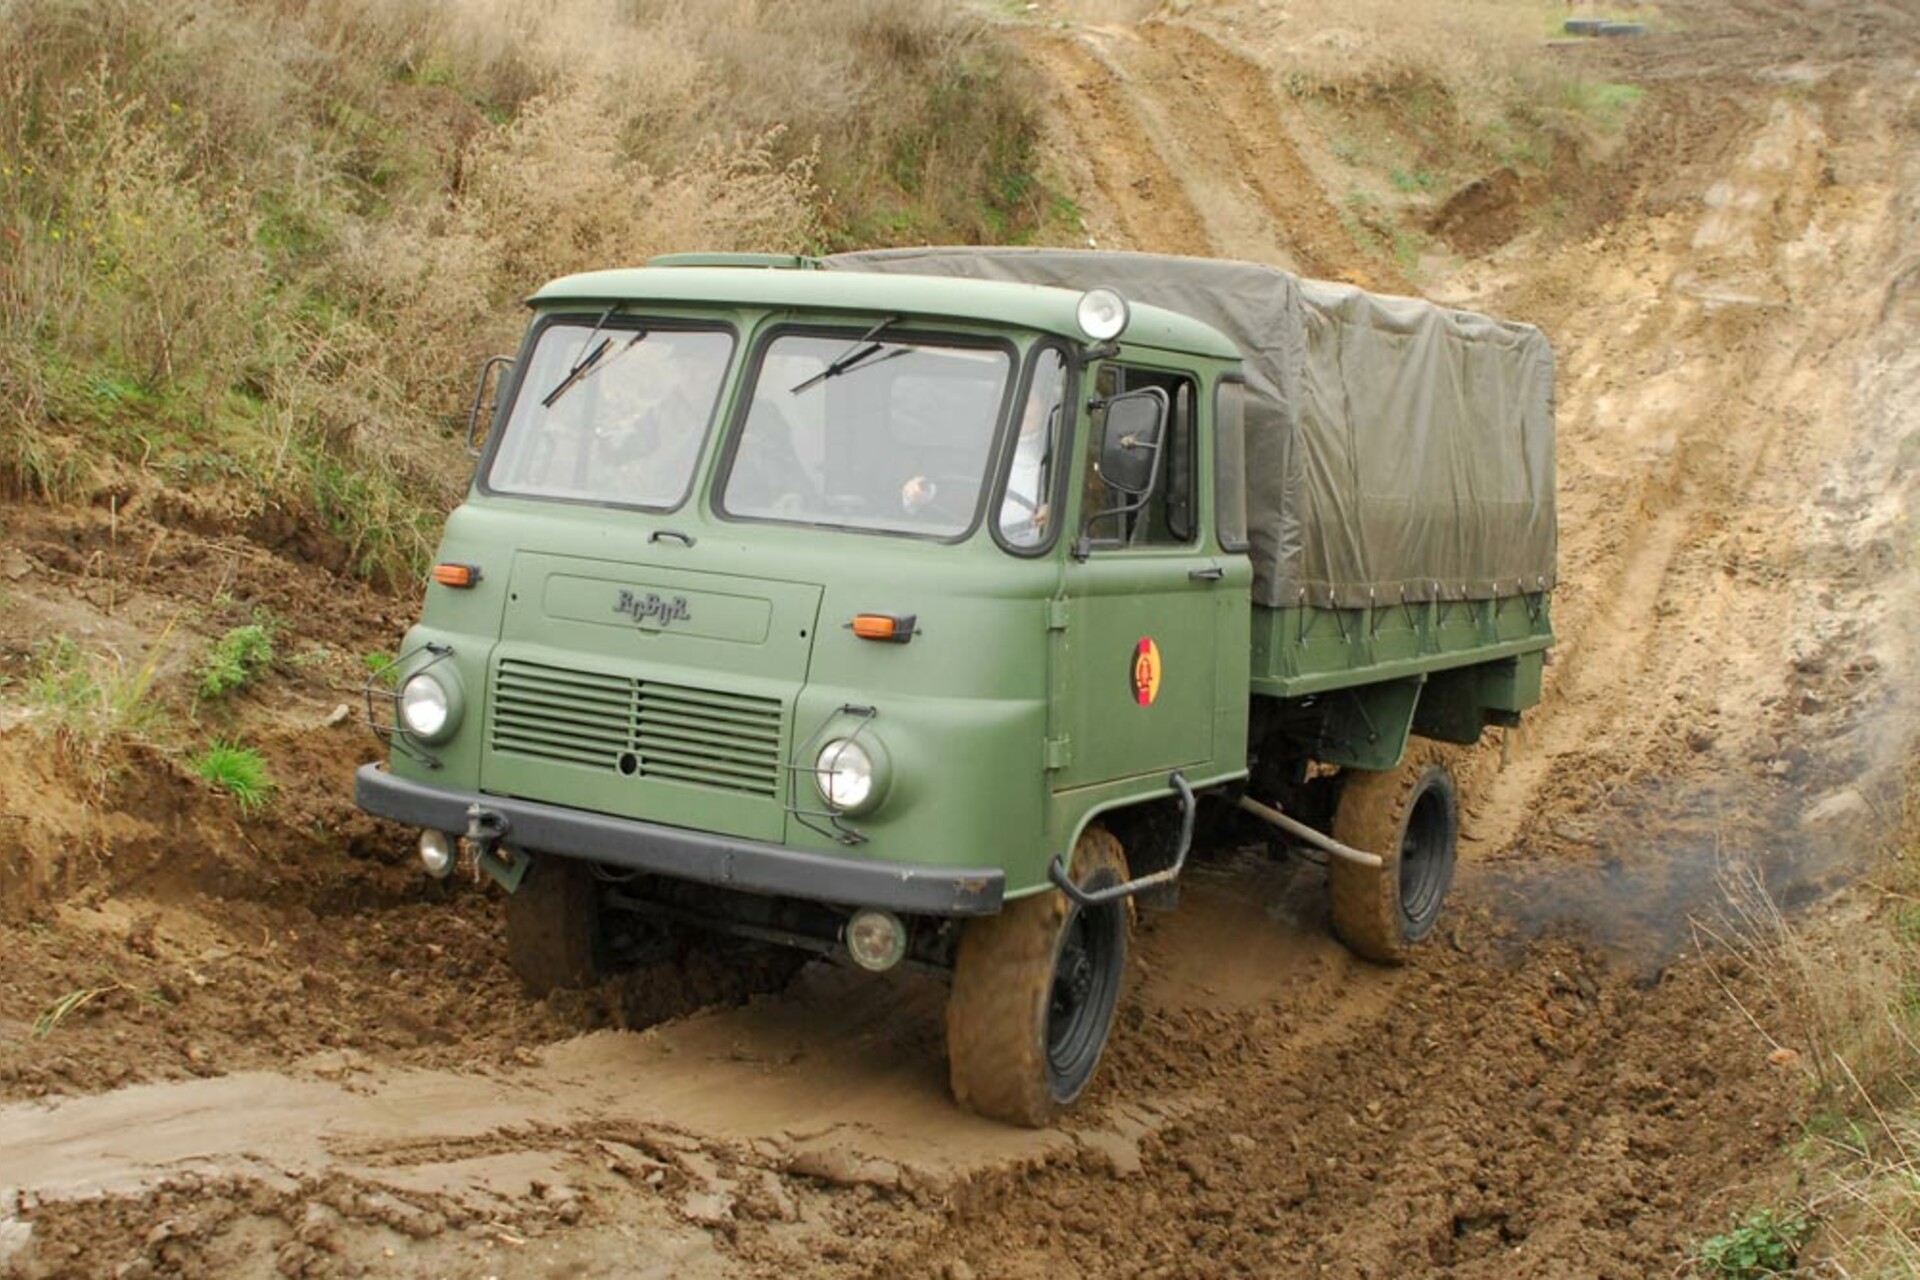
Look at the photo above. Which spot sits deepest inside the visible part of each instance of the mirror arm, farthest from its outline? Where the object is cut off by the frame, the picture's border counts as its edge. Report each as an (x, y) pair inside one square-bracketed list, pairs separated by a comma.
[(1083, 545), (479, 399)]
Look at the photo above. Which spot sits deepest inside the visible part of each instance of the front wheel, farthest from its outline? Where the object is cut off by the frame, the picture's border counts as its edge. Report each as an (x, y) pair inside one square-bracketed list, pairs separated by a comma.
[(1409, 817), (1034, 994)]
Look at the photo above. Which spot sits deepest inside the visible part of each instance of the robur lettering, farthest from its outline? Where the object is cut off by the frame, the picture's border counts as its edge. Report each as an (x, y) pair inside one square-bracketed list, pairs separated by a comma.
[(653, 606)]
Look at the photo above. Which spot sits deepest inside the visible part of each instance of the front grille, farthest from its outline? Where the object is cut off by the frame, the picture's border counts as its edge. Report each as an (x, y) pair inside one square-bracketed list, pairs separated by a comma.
[(638, 728)]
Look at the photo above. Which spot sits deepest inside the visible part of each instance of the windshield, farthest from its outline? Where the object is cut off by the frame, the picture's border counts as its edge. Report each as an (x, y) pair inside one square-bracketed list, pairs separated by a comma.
[(887, 434), (611, 412)]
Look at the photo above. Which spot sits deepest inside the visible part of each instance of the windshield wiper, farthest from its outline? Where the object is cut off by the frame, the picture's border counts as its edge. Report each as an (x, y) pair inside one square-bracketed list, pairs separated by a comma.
[(586, 361), (863, 349), (591, 365)]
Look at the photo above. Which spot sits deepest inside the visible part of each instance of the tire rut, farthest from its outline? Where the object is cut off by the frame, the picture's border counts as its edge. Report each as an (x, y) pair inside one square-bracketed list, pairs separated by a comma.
[(1146, 205)]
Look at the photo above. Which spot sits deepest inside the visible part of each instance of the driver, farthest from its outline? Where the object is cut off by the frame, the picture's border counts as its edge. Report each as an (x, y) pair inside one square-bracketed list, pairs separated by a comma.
[(1024, 509)]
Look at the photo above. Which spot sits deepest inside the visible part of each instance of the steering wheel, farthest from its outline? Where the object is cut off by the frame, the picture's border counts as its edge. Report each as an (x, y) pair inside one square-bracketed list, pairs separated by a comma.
[(949, 496)]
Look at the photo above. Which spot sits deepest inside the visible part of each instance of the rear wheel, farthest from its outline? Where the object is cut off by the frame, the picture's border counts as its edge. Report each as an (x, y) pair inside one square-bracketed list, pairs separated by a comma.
[(554, 927), (1034, 994), (1409, 817)]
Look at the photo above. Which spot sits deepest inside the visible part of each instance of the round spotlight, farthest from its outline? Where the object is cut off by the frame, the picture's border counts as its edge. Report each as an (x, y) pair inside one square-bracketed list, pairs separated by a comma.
[(877, 940), (1102, 314), (436, 854)]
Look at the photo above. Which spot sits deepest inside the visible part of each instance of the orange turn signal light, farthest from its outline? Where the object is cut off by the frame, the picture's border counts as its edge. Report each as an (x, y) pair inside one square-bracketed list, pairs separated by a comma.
[(883, 626), (456, 575)]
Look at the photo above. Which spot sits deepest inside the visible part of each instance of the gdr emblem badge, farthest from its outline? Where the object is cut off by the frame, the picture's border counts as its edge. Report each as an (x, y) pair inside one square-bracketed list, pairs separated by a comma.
[(1146, 671)]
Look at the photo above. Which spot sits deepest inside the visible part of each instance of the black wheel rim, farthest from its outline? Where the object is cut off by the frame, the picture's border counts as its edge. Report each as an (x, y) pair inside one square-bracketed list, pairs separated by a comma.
[(1426, 861), (1086, 985)]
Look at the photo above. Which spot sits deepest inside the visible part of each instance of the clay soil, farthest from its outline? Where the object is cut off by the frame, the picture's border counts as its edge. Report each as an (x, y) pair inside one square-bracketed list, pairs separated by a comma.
[(296, 1057)]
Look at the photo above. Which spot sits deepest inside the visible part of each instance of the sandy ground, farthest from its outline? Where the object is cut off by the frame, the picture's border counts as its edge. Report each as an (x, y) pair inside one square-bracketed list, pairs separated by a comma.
[(301, 1060)]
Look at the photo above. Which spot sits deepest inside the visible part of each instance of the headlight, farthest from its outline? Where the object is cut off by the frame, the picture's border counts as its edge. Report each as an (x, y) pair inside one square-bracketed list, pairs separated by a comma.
[(426, 707), (847, 777)]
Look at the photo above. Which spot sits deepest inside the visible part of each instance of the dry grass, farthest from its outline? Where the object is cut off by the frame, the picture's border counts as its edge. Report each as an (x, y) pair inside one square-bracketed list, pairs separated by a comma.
[(264, 245), (1844, 1008)]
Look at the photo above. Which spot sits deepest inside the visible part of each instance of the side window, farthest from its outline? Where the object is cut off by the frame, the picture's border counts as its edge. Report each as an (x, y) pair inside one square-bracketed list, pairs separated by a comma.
[(1025, 503), (1230, 463), (1167, 517)]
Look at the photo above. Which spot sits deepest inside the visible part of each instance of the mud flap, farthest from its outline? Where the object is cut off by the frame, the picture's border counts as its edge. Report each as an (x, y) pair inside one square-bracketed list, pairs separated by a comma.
[(506, 867)]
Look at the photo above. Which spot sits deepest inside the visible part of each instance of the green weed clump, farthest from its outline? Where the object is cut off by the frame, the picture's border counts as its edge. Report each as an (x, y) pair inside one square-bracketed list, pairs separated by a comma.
[(236, 660), (239, 771), (1764, 1243)]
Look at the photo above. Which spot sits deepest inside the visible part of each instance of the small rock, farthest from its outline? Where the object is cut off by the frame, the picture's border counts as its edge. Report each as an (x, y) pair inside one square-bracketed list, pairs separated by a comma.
[(1242, 1142), (1783, 1057), (1110, 1151), (707, 1208), (958, 1269), (340, 715)]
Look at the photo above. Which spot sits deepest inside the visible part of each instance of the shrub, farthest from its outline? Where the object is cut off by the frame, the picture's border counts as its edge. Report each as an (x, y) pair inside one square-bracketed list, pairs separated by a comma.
[(236, 660)]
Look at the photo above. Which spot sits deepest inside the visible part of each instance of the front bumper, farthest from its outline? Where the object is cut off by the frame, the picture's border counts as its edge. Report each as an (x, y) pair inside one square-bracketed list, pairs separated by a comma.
[(748, 865)]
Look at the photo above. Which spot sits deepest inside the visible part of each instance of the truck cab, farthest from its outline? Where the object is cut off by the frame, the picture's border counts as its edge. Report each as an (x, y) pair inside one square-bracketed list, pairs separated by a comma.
[(829, 607)]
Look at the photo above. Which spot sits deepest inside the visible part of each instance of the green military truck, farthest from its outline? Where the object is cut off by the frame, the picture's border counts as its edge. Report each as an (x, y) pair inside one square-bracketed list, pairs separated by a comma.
[(911, 606)]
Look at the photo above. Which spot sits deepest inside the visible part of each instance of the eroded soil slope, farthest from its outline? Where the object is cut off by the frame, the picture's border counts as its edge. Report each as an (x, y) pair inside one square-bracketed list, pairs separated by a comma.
[(302, 1061)]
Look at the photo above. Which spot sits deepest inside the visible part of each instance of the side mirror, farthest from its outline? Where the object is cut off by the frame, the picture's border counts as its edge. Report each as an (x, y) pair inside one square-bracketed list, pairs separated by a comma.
[(1130, 442), (480, 401), (1131, 438)]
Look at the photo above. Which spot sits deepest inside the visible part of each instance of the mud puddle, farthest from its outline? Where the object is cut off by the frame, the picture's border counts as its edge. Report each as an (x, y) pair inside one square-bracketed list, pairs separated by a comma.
[(838, 1081)]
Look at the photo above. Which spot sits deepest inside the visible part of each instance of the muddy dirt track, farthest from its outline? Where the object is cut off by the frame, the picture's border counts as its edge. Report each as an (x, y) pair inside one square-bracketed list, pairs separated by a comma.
[(301, 1061)]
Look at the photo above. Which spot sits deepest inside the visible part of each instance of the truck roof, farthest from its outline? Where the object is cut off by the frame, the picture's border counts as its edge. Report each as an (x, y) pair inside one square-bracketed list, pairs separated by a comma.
[(1031, 306)]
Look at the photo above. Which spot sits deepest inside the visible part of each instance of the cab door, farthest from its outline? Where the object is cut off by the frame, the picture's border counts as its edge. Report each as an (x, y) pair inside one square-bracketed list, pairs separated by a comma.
[(1142, 617)]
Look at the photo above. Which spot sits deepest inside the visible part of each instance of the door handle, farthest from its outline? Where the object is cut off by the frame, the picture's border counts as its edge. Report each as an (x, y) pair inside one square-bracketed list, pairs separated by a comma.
[(1212, 573)]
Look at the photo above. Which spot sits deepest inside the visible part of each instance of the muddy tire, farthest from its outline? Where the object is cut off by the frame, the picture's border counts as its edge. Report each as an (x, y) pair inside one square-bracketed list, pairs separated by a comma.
[(553, 926), (1034, 994), (1410, 817)]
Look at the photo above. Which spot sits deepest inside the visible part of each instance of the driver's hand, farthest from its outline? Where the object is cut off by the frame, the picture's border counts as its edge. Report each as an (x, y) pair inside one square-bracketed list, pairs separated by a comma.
[(915, 494)]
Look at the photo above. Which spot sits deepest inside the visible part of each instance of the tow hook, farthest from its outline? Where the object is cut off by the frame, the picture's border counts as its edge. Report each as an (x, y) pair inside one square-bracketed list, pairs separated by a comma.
[(486, 829)]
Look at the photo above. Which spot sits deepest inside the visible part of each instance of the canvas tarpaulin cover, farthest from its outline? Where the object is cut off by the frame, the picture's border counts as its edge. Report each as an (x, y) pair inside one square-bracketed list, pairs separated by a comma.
[(1396, 450)]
